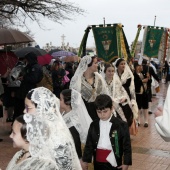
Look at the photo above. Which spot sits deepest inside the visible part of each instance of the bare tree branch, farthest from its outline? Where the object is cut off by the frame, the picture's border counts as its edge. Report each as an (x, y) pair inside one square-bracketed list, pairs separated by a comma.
[(55, 10)]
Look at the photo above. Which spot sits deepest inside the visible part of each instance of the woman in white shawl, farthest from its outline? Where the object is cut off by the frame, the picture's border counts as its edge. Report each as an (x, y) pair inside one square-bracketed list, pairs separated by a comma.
[(127, 79), (47, 132), (89, 83), (24, 159), (76, 117), (118, 93)]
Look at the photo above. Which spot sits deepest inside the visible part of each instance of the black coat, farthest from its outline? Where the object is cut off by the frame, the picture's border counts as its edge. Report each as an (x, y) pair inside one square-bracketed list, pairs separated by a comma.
[(77, 142), (149, 69), (32, 75), (138, 82), (123, 140)]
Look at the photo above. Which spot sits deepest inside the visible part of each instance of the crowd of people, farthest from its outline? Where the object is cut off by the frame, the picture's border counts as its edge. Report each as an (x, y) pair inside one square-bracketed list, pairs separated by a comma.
[(84, 113)]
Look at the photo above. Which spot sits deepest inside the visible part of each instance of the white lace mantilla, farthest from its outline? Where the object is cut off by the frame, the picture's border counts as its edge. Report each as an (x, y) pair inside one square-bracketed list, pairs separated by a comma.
[(47, 132), (31, 163), (88, 92), (78, 116)]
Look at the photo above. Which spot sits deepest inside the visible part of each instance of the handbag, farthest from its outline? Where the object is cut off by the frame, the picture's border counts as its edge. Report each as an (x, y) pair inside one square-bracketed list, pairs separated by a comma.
[(65, 78), (133, 129)]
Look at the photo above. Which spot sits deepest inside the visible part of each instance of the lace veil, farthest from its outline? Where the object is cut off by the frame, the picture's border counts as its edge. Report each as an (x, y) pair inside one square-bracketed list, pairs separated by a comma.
[(82, 67), (78, 117), (128, 74), (47, 132)]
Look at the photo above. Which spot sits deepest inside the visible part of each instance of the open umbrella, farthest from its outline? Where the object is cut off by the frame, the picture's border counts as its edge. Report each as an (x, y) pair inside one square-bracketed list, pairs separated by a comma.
[(23, 51), (70, 58), (54, 50), (11, 36), (44, 60), (62, 53), (7, 60)]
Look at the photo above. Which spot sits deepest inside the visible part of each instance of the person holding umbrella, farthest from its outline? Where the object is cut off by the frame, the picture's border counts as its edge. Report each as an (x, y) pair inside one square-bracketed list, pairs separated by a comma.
[(30, 76)]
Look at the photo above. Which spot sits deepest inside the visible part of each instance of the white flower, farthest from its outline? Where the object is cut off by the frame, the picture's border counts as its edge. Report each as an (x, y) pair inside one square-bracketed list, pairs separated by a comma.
[(27, 118)]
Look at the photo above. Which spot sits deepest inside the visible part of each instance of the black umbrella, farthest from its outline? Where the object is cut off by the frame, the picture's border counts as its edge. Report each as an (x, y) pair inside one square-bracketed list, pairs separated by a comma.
[(11, 36), (23, 51), (54, 50)]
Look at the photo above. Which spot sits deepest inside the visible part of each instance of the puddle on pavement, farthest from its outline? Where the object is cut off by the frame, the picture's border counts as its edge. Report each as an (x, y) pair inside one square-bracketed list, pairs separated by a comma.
[(147, 151)]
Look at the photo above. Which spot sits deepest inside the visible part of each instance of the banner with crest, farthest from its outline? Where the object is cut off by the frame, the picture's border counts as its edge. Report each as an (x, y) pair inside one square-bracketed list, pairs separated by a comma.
[(106, 42), (152, 41), (110, 42)]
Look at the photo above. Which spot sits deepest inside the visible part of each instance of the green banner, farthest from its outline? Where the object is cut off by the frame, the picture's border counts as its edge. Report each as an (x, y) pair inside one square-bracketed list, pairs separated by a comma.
[(106, 42), (152, 42)]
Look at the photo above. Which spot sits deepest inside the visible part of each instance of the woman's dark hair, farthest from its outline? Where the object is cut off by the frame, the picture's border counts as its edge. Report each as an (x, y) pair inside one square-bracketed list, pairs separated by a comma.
[(55, 63), (103, 101), (136, 65), (67, 96), (144, 62), (119, 61), (90, 64), (106, 66), (23, 128), (69, 65), (28, 96)]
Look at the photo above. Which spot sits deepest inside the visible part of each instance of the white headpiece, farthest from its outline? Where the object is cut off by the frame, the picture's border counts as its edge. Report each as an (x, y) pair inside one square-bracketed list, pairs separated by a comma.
[(82, 67), (126, 74), (47, 132), (79, 109)]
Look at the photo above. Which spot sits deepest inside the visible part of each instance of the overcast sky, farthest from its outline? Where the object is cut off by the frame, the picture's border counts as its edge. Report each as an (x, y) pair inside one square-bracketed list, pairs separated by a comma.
[(130, 13)]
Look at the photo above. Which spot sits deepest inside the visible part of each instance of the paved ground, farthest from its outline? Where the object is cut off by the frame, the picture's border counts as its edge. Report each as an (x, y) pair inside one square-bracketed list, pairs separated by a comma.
[(150, 152)]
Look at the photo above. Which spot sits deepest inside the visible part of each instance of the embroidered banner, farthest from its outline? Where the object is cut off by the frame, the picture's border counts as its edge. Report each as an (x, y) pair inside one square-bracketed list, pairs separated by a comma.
[(152, 42), (106, 42)]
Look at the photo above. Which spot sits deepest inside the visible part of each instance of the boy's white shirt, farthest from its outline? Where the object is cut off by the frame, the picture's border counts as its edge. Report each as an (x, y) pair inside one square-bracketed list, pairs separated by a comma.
[(104, 140)]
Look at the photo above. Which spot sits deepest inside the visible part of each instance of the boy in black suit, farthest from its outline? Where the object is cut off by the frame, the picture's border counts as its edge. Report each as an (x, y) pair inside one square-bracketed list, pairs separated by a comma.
[(108, 140)]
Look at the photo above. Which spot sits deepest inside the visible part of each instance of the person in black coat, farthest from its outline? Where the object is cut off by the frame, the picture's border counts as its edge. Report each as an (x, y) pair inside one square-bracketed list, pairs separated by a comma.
[(141, 93), (149, 70), (57, 78), (30, 76), (107, 138)]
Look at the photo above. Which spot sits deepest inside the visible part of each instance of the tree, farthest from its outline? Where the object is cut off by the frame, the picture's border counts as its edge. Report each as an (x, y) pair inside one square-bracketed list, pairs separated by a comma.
[(17, 11)]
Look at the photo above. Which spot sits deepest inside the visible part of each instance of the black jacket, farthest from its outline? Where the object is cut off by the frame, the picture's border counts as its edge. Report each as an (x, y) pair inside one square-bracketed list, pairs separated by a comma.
[(138, 82), (32, 74), (123, 139), (77, 142), (149, 69)]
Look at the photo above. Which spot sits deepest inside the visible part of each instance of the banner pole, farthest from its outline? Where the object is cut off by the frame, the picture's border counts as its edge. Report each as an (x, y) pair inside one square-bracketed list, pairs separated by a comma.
[(135, 41), (104, 21), (154, 20), (82, 47)]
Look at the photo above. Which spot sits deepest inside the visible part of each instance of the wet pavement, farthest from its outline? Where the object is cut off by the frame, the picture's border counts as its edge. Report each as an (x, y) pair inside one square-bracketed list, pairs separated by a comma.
[(149, 150)]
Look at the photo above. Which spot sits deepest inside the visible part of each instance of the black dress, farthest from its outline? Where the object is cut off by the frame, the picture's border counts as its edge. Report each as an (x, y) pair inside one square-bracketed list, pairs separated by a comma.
[(126, 108), (77, 142)]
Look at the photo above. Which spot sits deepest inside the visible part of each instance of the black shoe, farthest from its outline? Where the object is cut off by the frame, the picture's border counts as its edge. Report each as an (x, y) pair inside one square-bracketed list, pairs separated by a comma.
[(1, 140), (150, 112), (146, 125)]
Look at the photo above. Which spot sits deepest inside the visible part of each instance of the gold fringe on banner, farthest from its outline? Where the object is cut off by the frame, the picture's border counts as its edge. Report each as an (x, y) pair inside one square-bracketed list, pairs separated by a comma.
[(135, 41), (118, 29), (123, 47)]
